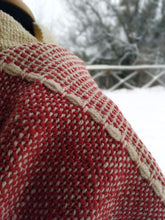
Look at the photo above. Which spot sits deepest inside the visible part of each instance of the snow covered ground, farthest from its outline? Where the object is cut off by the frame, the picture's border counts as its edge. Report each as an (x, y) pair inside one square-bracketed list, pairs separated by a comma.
[(145, 110)]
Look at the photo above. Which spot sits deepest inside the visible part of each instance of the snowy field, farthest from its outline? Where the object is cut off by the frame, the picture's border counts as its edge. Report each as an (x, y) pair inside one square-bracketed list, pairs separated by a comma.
[(145, 110)]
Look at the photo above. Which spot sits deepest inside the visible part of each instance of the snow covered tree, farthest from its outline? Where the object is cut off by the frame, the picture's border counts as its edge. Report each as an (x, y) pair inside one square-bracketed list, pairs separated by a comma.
[(114, 32), (117, 32)]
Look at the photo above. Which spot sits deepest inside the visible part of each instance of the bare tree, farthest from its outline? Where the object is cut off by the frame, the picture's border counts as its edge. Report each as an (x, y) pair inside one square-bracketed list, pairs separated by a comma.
[(127, 32)]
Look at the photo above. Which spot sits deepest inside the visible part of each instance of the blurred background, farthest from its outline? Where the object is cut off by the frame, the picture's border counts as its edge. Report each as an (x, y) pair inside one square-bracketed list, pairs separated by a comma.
[(123, 45), (110, 32), (107, 31)]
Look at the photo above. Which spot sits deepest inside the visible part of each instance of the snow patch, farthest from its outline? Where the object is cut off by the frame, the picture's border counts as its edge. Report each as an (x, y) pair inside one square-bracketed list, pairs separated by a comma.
[(145, 110)]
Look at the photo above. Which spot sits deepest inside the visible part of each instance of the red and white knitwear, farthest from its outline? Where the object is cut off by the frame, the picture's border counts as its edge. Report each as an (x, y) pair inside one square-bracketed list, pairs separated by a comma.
[(66, 150)]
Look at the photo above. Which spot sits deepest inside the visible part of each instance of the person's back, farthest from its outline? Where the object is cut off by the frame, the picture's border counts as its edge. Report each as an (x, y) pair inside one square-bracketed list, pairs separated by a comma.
[(66, 151)]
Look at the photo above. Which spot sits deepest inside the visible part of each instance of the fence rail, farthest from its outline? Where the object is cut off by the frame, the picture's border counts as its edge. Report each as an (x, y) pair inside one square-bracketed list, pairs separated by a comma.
[(140, 76)]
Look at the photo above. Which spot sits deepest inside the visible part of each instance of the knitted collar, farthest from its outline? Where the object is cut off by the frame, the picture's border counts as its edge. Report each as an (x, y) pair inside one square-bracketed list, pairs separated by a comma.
[(19, 14), (12, 33)]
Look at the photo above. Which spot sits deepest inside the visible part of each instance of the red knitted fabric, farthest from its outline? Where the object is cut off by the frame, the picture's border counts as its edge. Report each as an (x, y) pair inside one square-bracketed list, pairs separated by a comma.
[(66, 151)]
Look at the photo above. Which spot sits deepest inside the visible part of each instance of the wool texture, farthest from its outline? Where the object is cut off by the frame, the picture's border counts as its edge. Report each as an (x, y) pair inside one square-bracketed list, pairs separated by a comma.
[(13, 34), (66, 150)]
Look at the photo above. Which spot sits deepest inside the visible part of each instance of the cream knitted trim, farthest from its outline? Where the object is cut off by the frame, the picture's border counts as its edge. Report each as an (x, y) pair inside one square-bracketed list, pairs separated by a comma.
[(12, 32), (145, 172)]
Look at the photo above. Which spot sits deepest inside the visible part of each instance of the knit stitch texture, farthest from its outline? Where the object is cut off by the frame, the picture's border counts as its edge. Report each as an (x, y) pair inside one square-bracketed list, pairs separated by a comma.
[(66, 150), (12, 33)]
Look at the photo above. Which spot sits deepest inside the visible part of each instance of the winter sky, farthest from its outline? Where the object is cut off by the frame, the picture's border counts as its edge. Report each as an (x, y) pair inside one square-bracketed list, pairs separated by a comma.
[(50, 9)]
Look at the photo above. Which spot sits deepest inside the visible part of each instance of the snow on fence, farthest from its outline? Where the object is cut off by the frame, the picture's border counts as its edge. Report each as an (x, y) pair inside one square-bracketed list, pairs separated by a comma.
[(115, 77)]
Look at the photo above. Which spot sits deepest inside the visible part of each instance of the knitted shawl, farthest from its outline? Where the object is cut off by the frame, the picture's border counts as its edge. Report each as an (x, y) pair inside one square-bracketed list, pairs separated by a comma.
[(66, 150)]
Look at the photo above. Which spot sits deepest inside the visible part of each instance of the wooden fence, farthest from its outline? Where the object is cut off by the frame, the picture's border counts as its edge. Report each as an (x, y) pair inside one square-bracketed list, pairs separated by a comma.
[(131, 77)]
